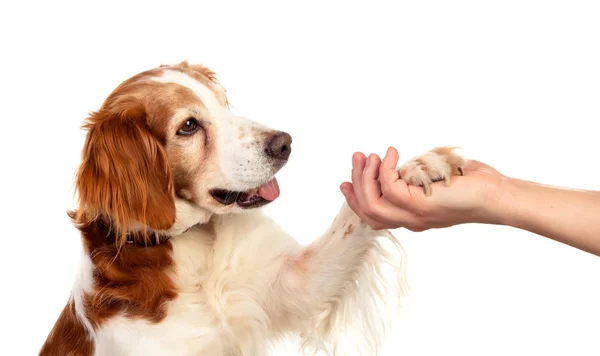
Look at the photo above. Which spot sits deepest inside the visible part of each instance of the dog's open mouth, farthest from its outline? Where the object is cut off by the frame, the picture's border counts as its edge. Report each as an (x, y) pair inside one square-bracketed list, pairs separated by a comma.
[(253, 198)]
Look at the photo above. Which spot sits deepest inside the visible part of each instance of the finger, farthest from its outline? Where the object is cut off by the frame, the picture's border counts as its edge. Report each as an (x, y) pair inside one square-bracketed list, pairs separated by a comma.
[(358, 166), (370, 183), (386, 212), (392, 187), (348, 191), (375, 225), (387, 170), (371, 202), (371, 211)]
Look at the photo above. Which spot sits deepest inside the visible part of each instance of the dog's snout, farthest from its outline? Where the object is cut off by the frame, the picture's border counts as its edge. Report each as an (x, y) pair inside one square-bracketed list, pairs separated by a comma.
[(279, 146)]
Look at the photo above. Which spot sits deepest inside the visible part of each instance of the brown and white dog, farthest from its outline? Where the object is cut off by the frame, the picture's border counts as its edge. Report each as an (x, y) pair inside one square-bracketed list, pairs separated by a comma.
[(177, 259)]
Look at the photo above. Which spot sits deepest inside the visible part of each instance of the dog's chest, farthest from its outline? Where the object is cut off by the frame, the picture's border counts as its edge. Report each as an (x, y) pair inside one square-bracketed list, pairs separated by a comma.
[(224, 295), (220, 309), (224, 306)]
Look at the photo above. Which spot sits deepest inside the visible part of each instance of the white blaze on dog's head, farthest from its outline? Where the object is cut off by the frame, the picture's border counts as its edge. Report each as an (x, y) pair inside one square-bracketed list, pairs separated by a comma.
[(240, 155), (239, 143), (167, 135)]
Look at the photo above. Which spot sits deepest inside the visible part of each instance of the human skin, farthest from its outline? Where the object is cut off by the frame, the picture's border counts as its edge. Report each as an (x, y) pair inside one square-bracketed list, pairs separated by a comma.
[(482, 195)]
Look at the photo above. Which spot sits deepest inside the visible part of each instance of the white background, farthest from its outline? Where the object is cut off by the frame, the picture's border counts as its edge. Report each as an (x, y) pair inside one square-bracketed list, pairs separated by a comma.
[(515, 83)]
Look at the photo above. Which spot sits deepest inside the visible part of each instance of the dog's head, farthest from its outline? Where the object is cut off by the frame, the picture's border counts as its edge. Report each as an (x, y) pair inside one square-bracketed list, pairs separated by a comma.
[(167, 134)]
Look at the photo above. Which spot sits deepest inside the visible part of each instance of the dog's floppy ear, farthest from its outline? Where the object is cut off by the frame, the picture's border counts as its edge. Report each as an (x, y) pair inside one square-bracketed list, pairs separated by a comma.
[(124, 176)]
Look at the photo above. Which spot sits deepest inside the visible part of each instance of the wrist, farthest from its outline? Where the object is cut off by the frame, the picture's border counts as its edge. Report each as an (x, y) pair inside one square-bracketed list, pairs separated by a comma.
[(500, 205), (509, 210)]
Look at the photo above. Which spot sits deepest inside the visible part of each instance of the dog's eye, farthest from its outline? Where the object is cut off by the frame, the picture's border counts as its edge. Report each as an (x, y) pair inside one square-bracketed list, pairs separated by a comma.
[(189, 127)]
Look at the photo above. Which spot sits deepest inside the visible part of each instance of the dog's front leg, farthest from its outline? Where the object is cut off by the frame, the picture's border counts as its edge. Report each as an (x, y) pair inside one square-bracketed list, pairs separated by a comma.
[(336, 285)]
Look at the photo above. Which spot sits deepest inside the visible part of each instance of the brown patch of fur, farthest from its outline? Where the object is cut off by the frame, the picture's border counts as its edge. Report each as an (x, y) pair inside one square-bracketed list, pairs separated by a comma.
[(349, 230), (133, 280), (159, 102), (68, 337), (184, 194), (124, 176), (187, 170), (184, 181)]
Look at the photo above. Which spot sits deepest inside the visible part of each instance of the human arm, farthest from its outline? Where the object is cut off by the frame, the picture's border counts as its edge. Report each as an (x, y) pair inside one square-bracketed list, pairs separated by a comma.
[(482, 195), (566, 215)]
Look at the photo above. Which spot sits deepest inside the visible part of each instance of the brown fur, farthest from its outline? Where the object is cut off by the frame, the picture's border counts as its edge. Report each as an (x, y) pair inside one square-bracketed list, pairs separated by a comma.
[(69, 337), (134, 280), (124, 176), (128, 177), (190, 168), (348, 231), (205, 76)]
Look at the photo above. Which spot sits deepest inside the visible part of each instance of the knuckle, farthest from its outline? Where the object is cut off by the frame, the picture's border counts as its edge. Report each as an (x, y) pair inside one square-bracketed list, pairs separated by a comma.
[(377, 226), (418, 226), (371, 211), (386, 187)]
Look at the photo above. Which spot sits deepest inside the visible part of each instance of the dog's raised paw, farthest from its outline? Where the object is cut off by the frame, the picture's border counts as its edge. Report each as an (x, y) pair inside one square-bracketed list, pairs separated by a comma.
[(438, 164)]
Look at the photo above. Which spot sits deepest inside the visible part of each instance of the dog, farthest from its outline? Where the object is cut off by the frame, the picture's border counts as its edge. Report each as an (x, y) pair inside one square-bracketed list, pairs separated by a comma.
[(178, 259)]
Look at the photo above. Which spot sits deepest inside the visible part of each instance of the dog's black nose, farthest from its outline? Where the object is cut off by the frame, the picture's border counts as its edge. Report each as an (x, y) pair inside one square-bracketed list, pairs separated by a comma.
[(279, 146)]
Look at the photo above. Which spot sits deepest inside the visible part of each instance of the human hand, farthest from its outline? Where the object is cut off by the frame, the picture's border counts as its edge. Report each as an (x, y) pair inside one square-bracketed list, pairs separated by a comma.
[(384, 201)]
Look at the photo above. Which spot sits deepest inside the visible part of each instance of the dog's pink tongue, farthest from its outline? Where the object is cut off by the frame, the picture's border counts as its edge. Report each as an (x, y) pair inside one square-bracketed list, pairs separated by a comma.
[(269, 190)]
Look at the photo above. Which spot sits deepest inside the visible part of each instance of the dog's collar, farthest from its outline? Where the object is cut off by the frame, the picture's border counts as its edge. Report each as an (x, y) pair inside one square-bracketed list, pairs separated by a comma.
[(147, 238), (150, 238)]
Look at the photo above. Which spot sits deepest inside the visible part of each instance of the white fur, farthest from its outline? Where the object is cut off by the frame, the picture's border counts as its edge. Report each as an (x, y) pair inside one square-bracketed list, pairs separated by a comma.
[(188, 215), (430, 167), (208, 98), (84, 283), (240, 290)]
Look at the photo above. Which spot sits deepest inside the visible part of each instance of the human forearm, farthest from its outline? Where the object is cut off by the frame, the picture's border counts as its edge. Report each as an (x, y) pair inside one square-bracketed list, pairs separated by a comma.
[(478, 194), (565, 215)]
